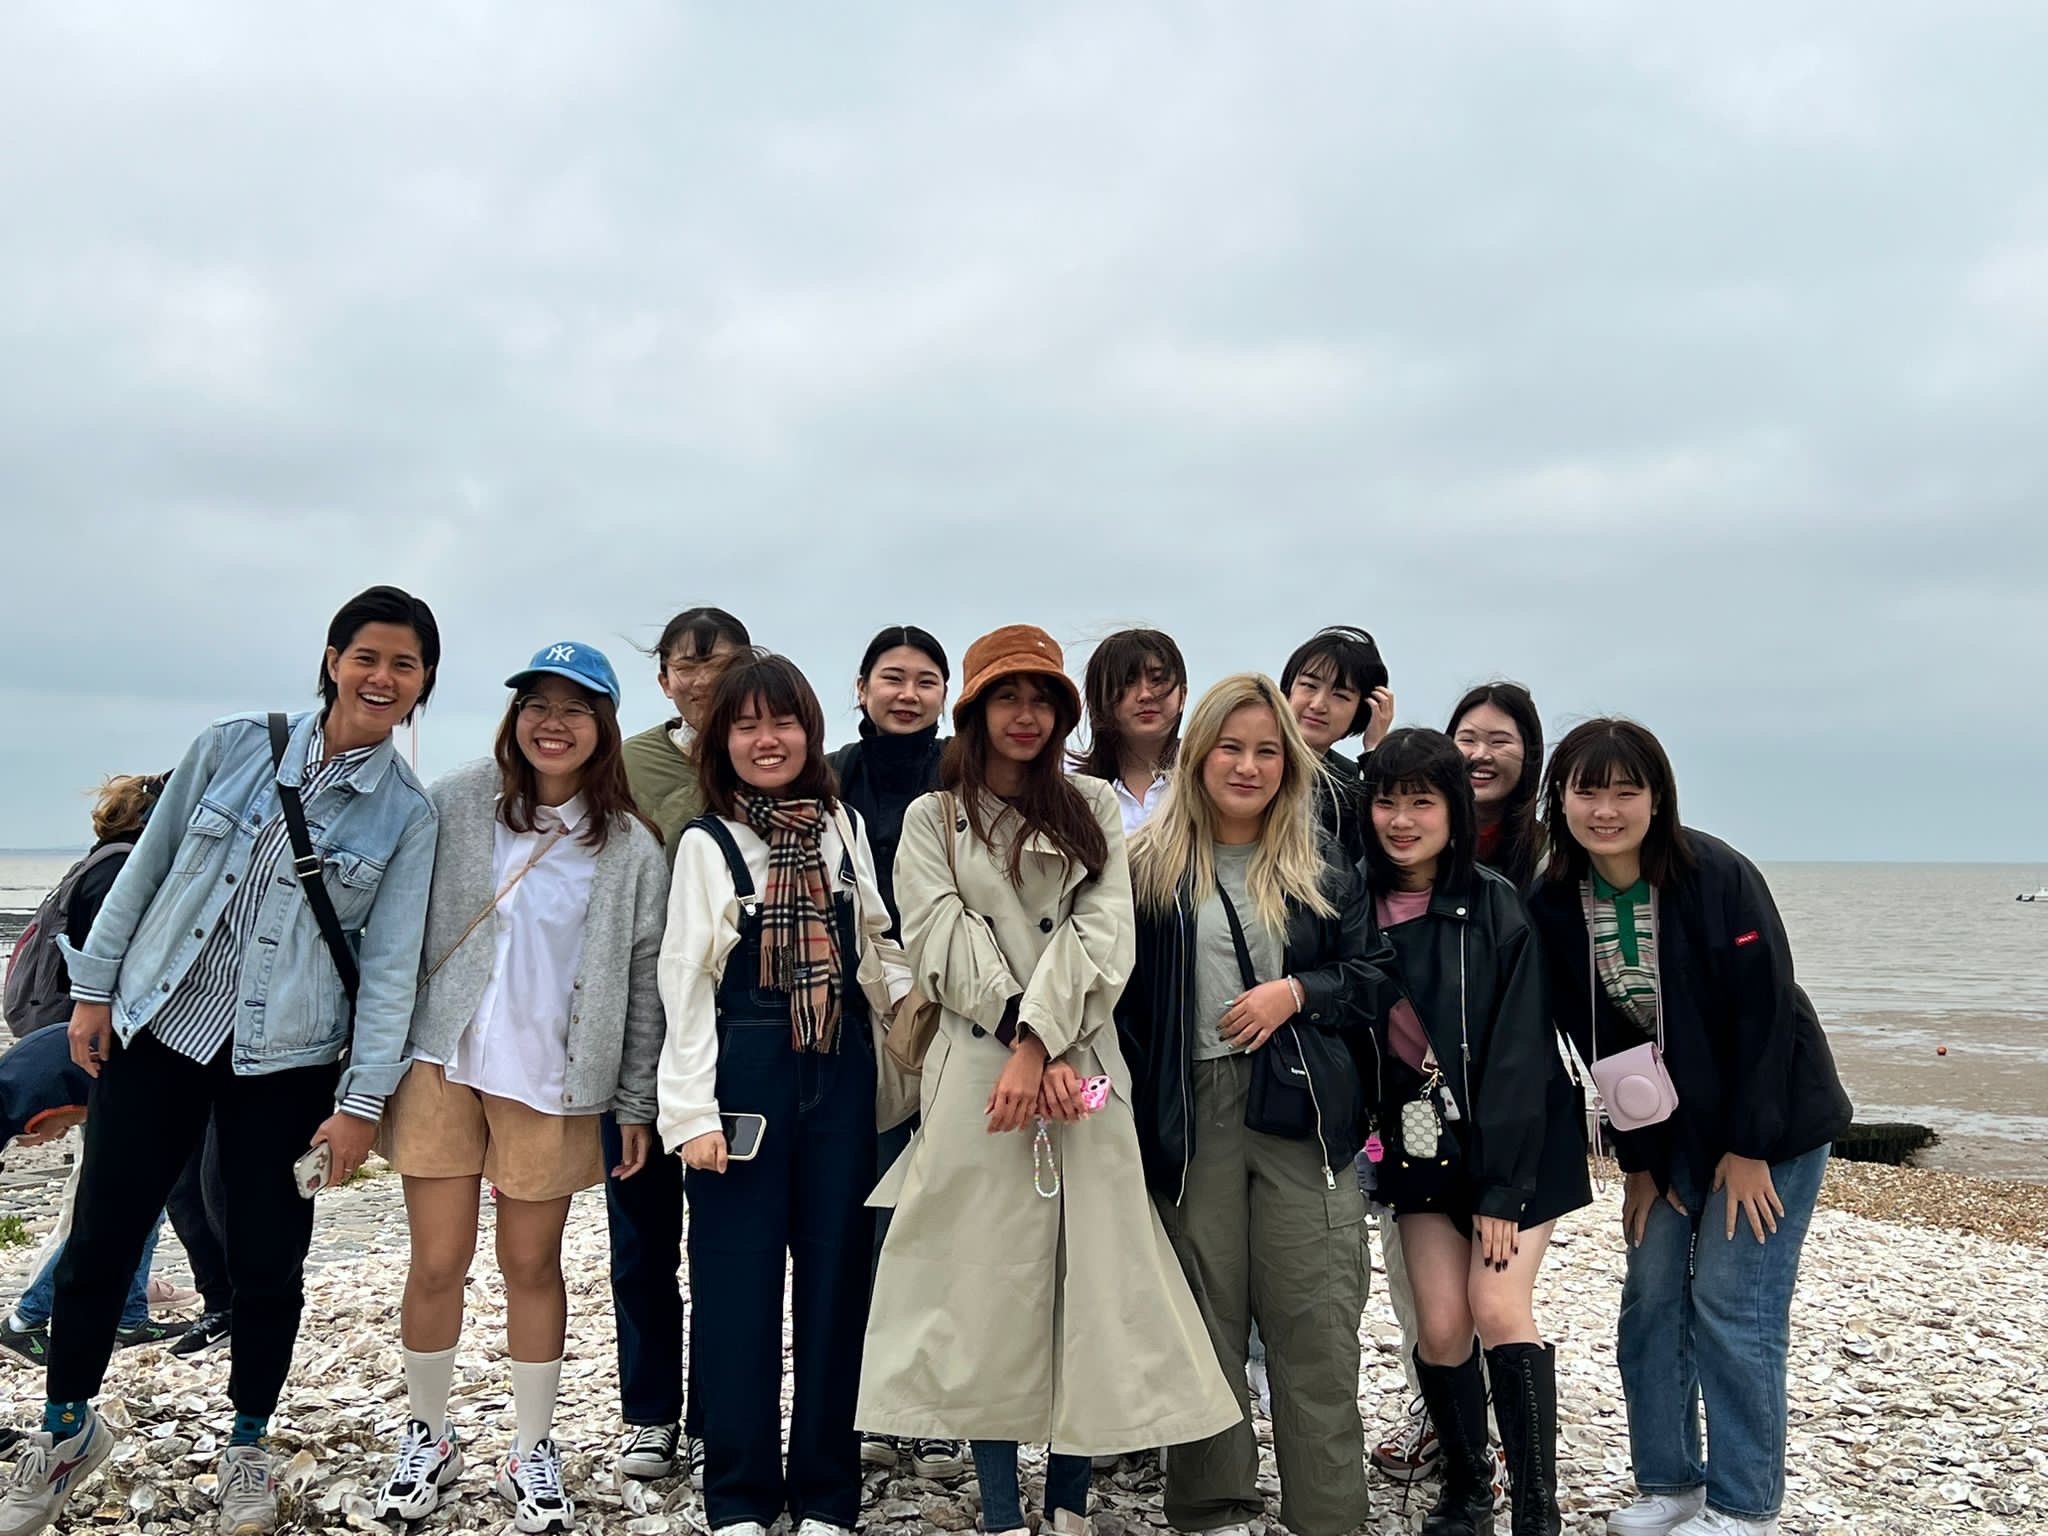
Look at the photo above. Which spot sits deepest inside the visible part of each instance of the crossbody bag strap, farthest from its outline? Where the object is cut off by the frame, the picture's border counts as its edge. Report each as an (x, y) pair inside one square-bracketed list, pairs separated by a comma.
[(306, 865), (1237, 941), (491, 906)]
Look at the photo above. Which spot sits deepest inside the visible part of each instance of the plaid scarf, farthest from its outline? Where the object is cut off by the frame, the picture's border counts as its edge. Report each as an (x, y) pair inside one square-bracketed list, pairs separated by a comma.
[(799, 942)]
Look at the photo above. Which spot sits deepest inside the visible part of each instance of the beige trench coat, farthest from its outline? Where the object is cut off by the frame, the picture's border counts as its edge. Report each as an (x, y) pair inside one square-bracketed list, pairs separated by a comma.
[(999, 1314)]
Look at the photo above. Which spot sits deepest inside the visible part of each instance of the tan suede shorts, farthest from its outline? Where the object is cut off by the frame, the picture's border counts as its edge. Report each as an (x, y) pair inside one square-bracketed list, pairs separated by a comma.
[(435, 1129)]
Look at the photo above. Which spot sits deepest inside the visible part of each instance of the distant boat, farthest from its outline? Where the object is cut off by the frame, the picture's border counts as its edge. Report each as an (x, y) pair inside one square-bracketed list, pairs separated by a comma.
[(2040, 895)]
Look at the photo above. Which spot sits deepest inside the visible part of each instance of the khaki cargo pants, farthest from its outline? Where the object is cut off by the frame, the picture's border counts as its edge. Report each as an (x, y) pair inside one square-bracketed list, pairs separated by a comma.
[(1262, 1236)]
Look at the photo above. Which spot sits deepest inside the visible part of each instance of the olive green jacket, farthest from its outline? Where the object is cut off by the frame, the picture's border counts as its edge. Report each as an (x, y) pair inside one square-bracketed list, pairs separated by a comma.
[(664, 783)]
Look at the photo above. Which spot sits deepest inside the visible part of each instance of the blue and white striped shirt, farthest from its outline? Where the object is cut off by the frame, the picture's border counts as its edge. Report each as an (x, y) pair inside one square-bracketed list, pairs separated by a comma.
[(199, 1018)]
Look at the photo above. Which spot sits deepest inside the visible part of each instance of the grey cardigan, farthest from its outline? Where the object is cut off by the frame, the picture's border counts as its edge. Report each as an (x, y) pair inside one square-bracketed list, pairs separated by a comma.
[(616, 1030)]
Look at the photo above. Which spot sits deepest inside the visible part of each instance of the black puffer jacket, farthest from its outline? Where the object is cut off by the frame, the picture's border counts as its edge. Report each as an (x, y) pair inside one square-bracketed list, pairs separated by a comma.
[(1330, 1041), (1473, 968), (1741, 1039)]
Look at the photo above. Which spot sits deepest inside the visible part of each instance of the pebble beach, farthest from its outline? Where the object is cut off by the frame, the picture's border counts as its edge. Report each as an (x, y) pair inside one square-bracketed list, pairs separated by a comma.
[(1919, 1333)]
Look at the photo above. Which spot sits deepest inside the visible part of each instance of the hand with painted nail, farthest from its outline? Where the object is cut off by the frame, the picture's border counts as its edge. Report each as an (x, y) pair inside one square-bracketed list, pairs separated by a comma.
[(1496, 1238)]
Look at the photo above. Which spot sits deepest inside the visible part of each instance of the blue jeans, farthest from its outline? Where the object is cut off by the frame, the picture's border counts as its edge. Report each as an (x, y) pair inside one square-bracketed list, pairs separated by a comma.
[(34, 1307), (1002, 1502), (1706, 1321)]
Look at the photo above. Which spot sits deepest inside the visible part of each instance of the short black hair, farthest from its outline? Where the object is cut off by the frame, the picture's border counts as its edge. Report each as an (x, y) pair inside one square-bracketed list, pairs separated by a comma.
[(904, 634), (383, 605), (781, 688), (1353, 659), (694, 634), (1417, 761)]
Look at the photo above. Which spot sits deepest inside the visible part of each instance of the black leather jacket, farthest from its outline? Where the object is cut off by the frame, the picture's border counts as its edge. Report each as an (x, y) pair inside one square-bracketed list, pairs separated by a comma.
[(1743, 1043), (1326, 1049), (1473, 969)]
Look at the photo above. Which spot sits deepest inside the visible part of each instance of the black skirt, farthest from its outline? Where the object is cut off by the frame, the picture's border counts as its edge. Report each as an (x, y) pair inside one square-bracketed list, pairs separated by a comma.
[(1441, 1186)]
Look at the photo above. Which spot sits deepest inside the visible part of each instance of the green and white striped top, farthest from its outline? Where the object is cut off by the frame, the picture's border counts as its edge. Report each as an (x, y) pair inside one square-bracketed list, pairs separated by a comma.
[(1624, 947)]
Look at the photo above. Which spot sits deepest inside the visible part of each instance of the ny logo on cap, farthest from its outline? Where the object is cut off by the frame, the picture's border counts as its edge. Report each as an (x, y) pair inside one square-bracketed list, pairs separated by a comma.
[(561, 653)]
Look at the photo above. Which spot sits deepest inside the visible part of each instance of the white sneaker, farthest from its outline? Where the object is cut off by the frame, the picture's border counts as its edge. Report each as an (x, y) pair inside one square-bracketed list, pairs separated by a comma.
[(531, 1482), (650, 1451), (823, 1528), (423, 1477), (742, 1528), (1227, 1530), (1711, 1522), (248, 1492), (694, 1446), (46, 1469), (1657, 1514), (1261, 1385)]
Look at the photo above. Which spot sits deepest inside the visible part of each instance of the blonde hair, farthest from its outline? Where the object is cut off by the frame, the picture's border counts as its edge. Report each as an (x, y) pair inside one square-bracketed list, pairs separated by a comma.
[(1179, 841), (122, 804)]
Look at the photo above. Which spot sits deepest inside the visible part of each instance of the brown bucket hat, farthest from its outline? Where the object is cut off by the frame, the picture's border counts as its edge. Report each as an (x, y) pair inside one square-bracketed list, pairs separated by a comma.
[(1007, 652)]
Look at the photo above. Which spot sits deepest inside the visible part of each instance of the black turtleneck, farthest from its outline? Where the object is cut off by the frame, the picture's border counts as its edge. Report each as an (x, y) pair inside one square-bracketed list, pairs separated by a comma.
[(879, 776)]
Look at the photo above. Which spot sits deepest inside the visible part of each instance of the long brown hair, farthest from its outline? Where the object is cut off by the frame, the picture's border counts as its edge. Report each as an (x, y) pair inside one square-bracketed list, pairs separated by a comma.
[(1595, 755), (1049, 804), (780, 689), (602, 784), (1119, 661)]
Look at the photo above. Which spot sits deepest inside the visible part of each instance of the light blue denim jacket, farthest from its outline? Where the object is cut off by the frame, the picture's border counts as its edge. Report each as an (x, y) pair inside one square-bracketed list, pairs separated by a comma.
[(375, 837)]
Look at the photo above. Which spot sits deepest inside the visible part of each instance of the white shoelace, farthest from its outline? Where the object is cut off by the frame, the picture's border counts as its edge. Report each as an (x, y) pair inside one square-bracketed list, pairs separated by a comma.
[(1413, 1432), (658, 1438), (541, 1471), (31, 1468), (415, 1454), (246, 1474)]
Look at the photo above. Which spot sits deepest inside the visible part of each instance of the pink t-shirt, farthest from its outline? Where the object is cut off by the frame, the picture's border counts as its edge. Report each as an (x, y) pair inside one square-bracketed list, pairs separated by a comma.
[(1401, 906), (1404, 1030)]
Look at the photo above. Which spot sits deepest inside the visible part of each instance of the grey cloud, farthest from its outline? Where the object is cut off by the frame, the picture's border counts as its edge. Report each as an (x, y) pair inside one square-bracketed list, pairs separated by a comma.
[(1681, 365)]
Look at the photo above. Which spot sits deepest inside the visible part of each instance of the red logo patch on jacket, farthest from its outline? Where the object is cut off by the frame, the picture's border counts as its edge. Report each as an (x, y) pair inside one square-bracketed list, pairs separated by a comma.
[(1747, 938)]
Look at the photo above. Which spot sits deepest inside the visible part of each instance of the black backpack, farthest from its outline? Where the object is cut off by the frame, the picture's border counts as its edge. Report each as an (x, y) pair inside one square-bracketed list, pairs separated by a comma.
[(38, 985)]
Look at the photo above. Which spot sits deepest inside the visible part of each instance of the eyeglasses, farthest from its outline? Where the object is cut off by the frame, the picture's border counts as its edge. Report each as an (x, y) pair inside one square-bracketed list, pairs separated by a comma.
[(570, 711)]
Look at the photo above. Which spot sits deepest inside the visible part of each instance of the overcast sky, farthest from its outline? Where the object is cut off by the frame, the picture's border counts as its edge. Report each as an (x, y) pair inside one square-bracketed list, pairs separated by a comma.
[(1683, 363)]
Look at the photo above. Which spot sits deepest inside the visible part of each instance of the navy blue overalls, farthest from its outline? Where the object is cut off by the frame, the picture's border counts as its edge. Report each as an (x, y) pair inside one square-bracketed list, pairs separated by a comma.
[(803, 1194)]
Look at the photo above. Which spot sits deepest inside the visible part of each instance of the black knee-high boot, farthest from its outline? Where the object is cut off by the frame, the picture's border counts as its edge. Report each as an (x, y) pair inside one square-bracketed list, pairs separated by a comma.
[(1525, 1403), (1456, 1397)]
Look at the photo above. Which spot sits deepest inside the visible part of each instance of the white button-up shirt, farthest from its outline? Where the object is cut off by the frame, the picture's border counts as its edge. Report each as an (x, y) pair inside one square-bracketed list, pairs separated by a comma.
[(516, 1045), (1137, 812)]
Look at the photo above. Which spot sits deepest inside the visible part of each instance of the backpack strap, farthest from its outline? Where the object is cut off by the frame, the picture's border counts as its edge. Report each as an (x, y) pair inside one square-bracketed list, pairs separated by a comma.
[(306, 865), (735, 864)]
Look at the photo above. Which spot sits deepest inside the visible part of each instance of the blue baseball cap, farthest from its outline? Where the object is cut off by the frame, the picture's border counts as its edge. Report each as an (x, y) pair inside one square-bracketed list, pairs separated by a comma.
[(580, 663)]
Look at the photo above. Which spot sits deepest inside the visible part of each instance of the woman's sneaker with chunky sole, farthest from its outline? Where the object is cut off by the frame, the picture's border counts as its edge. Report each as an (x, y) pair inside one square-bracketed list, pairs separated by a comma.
[(1410, 1453), (46, 1470), (531, 1482), (1657, 1514), (248, 1492), (937, 1459), (423, 1477)]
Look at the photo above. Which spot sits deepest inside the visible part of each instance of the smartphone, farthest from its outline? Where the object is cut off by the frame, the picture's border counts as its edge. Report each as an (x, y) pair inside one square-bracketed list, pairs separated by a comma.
[(743, 1135), (309, 1173)]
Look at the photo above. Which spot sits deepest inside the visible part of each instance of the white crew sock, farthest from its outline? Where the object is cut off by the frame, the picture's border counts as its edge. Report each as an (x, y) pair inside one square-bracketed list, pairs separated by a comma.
[(534, 1385), (428, 1375)]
